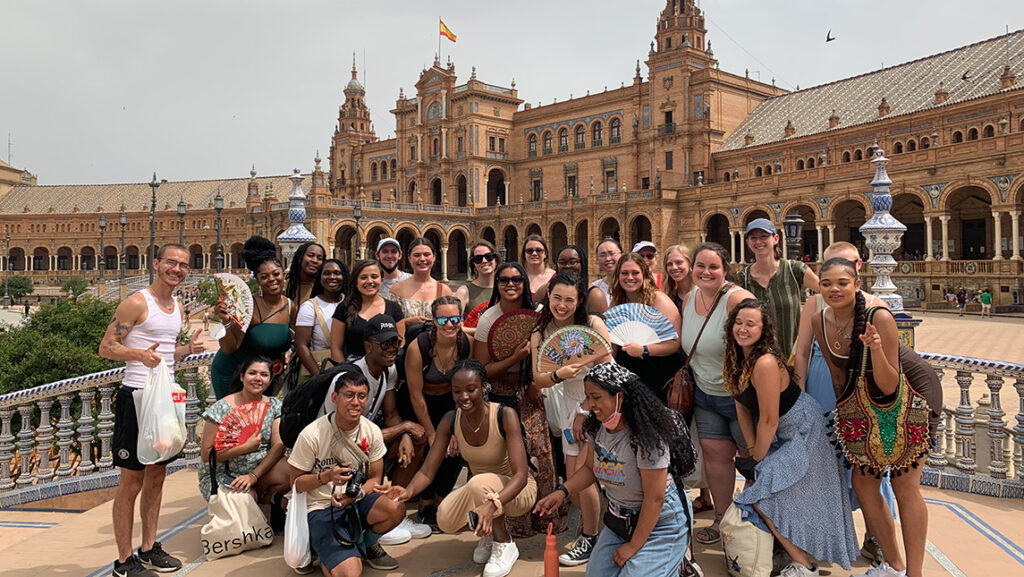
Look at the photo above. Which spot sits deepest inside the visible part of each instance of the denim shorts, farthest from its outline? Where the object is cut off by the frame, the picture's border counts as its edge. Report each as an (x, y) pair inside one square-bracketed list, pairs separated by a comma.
[(322, 540), (716, 418)]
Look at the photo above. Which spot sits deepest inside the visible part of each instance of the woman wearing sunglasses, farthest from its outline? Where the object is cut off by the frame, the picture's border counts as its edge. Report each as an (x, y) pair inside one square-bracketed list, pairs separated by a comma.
[(535, 255), (484, 260), (429, 364)]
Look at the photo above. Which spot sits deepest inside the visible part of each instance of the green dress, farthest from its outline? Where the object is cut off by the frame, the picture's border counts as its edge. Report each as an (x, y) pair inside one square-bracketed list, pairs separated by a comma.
[(242, 464), (270, 340)]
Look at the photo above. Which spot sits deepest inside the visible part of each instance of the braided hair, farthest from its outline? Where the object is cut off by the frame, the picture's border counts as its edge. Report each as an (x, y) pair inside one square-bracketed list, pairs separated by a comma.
[(258, 250), (461, 340), (860, 322), (318, 287), (476, 367), (295, 269)]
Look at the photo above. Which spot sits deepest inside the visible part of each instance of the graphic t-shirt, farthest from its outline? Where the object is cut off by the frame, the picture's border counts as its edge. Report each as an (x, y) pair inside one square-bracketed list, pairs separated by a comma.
[(319, 448), (617, 467)]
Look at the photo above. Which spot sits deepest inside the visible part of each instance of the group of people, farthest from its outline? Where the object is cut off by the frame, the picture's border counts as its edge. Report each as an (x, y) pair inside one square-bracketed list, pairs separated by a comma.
[(415, 390)]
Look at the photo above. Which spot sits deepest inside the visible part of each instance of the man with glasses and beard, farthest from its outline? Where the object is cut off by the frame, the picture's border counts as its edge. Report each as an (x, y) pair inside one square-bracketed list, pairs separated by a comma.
[(389, 255)]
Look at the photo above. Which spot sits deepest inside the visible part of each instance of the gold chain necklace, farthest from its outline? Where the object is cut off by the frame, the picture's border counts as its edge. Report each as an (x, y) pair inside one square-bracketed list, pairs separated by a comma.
[(477, 429), (841, 331)]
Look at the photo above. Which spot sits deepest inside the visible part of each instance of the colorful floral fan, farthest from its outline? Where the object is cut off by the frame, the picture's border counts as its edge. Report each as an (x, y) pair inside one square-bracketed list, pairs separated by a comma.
[(637, 323), (510, 332), (239, 300), (571, 345), (473, 316), (241, 423)]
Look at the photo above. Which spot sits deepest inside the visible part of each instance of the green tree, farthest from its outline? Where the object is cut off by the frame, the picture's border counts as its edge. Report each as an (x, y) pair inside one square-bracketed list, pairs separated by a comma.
[(74, 287), (19, 286)]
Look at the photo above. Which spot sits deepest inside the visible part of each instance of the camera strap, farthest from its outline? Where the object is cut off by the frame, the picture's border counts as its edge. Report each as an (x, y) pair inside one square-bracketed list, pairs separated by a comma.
[(341, 439)]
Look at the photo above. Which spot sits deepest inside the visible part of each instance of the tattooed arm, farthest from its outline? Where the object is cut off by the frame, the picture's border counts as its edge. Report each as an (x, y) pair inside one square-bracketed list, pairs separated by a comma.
[(129, 313)]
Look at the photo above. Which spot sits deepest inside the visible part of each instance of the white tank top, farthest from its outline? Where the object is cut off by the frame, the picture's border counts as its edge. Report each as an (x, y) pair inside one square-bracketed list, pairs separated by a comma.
[(159, 327)]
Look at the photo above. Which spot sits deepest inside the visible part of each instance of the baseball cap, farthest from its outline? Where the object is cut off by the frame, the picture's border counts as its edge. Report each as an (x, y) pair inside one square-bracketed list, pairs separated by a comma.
[(644, 244), (762, 224), (386, 241), (380, 328)]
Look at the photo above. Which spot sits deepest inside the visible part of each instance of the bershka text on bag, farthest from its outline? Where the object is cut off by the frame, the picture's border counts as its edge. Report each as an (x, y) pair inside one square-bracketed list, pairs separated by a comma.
[(231, 546)]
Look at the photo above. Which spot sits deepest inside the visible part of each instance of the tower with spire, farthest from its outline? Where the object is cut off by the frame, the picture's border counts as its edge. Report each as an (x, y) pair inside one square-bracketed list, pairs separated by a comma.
[(354, 129)]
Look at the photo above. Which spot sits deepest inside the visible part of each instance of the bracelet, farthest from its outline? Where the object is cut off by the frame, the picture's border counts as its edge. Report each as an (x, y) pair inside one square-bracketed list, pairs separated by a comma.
[(555, 378), (496, 500), (255, 477), (318, 479), (562, 488), (407, 434)]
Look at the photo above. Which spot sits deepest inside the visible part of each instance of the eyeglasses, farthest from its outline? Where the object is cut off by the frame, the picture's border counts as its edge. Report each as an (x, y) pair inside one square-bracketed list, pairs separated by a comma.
[(570, 262), (518, 279), (607, 255), (390, 343), (176, 264), (450, 320), (479, 258), (533, 250)]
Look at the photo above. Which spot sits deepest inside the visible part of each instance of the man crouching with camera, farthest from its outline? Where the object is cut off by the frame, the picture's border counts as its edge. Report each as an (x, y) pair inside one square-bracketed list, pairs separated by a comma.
[(338, 462)]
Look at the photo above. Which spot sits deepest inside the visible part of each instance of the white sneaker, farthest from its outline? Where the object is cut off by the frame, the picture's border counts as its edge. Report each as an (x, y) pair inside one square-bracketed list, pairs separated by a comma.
[(482, 551), (795, 569), (396, 536), (503, 556), (883, 570), (416, 530)]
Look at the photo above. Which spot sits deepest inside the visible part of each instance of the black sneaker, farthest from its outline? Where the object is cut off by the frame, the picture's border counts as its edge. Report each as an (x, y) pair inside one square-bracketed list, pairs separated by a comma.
[(379, 559), (428, 516), (580, 552), (132, 567), (158, 560)]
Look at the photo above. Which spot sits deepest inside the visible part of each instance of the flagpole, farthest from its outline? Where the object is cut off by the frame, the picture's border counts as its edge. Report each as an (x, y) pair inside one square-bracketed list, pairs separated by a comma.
[(439, 39)]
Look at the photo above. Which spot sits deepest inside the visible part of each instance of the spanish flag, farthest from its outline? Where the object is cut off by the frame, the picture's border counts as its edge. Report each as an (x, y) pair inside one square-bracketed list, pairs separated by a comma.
[(446, 32)]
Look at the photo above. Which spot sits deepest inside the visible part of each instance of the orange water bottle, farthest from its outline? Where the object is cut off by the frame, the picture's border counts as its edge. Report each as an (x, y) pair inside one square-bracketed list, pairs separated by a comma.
[(551, 554)]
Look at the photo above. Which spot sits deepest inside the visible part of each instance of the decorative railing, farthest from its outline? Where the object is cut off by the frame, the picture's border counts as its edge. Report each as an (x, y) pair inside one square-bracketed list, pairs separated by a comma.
[(78, 444)]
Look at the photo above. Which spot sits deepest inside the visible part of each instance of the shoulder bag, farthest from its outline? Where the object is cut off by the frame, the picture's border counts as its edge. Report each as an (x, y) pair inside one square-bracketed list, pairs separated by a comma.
[(236, 522), (680, 389)]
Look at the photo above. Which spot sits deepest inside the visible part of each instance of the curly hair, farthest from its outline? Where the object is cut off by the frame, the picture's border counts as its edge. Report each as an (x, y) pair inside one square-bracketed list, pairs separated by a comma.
[(258, 250), (859, 320), (461, 340), (579, 316), (653, 427), (318, 287), (353, 298), (738, 367), (647, 291), (527, 293), (294, 277), (670, 283)]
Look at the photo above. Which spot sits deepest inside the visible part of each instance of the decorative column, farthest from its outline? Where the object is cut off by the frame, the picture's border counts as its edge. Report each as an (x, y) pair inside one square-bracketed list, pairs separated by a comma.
[(831, 234), (965, 425), (1015, 233), (732, 246), (444, 263), (929, 240), (997, 467), (743, 246), (296, 233), (821, 247), (944, 219), (998, 236)]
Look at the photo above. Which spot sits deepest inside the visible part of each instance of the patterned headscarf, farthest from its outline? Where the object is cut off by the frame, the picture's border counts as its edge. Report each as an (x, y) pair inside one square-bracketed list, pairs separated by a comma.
[(611, 375)]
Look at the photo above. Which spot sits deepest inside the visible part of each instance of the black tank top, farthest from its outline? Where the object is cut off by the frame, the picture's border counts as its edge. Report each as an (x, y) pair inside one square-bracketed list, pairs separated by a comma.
[(748, 398)]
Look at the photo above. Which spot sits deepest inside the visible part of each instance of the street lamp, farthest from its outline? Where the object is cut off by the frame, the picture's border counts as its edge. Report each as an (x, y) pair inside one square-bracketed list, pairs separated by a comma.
[(103, 228), (357, 212), (123, 220), (153, 185), (7, 268), (182, 208), (218, 205), (794, 228)]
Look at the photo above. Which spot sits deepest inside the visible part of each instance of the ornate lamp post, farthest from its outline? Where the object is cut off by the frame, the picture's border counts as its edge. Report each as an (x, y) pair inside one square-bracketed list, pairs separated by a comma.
[(357, 213), (218, 205), (182, 209), (153, 185), (794, 228), (103, 228), (123, 263), (7, 268)]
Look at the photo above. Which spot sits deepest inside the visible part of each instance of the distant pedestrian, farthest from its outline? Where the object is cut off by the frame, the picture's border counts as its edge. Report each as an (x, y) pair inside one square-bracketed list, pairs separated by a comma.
[(206, 321), (986, 303), (28, 307), (961, 301)]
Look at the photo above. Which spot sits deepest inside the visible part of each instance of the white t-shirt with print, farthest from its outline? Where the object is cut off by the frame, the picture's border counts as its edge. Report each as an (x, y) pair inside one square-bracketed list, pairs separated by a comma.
[(306, 317), (374, 400)]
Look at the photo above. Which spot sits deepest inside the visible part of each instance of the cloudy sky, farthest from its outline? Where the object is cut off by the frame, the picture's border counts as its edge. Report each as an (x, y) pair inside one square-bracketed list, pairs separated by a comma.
[(111, 90)]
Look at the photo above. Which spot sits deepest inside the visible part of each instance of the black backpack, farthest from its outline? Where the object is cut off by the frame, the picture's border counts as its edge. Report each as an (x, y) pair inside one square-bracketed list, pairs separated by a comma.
[(301, 404)]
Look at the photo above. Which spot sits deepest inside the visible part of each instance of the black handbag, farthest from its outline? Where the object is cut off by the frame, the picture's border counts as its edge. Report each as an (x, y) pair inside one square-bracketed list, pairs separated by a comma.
[(623, 526)]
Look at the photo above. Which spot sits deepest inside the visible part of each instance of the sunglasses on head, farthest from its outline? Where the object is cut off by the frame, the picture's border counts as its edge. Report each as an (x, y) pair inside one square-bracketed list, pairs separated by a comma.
[(449, 320), (479, 258), (533, 250), (518, 279)]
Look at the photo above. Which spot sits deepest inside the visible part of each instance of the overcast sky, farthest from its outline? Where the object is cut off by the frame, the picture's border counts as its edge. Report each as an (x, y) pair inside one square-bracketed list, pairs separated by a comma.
[(111, 90)]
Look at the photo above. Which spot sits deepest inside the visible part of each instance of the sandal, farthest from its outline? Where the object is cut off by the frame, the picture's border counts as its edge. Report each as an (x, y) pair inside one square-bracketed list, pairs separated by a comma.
[(708, 535), (703, 505)]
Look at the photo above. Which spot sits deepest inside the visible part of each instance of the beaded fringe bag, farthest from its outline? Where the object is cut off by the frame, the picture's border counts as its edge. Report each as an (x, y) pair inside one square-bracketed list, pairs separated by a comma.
[(877, 437)]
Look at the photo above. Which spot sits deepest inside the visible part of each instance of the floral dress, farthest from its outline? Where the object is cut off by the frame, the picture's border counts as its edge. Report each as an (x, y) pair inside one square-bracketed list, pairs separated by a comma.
[(242, 464)]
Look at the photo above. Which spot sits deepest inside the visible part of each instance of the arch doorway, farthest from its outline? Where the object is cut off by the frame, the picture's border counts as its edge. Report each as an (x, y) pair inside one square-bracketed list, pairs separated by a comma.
[(435, 188), (908, 209), (412, 192), (404, 237), (559, 238), (970, 226), (511, 244), (488, 235), (534, 228), (610, 229), (110, 258), (41, 259), (458, 261), (849, 215), (435, 239), (344, 245), (236, 256), (582, 237), (639, 229), (717, 231), (462, 196), (374, 236), (496, 188), (195, 256)]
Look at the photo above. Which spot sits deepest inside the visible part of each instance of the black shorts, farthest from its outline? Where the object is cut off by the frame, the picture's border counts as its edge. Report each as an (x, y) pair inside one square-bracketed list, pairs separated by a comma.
[(126, 433)]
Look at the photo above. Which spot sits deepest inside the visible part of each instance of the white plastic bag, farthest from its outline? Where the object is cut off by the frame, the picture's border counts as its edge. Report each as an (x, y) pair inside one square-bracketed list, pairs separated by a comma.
[(296, 532), (160, 408), (697, 479)]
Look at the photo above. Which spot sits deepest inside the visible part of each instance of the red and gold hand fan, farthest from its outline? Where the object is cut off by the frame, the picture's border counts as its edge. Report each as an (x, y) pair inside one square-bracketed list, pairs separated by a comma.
[(510, 332), (241, 423)]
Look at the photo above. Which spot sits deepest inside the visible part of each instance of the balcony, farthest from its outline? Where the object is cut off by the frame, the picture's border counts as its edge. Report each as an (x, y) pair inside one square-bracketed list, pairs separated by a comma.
[(596, 142), (667, 128)]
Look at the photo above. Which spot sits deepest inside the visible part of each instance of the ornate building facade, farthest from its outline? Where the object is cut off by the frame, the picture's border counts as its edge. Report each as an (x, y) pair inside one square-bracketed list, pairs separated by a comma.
[(687, 152)]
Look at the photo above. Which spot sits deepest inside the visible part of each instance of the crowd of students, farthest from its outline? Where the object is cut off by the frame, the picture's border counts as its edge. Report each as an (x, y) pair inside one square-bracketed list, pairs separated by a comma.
[(413, 393)]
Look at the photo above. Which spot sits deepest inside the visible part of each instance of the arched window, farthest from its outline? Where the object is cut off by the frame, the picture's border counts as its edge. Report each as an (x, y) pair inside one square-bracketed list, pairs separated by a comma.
[(989, 131), (897, 148), (758, 171), (434, 147), (728, 176), (615, 127), (911, 145), (768, 170), (972, 134), (547, 142), (810, 162), (846, 156), (563, 140), (373, 172), (580, 136), (858, 154), (958, 136), (597, 134), (394, 164), (532, 145), (926, 143), (384, 170), (800, 164)]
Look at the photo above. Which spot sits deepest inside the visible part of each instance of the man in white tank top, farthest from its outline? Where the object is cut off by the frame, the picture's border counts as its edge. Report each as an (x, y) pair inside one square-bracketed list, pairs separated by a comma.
[(144, 333)]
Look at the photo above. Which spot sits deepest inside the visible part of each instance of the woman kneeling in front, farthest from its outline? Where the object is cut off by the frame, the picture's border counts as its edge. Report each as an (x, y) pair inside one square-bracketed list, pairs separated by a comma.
[(490, 439), (638, 449)]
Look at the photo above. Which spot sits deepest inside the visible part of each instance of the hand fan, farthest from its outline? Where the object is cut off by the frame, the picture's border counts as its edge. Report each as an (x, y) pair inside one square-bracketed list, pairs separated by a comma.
[(241, 423), (239, 300), (510, 332), (473, 316), (637, 323), (571, 345)]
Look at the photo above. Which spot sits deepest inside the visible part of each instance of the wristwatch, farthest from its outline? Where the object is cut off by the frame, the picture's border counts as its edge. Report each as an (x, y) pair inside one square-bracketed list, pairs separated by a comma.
[(647, 352)]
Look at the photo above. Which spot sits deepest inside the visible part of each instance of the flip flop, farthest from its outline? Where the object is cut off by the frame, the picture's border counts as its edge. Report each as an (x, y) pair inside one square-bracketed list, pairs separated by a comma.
[(703, 506)]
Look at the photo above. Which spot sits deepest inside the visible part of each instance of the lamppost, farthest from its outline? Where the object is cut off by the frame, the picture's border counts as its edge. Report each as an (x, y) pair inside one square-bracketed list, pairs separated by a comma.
[(103, 227), (357, 212), (794, 228), (218, 205), (123, 220), (7, 268), (153, 185), (182, 209)]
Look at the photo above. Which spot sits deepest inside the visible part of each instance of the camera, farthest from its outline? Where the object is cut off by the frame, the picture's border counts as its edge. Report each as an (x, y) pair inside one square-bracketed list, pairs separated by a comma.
[(355, 483)]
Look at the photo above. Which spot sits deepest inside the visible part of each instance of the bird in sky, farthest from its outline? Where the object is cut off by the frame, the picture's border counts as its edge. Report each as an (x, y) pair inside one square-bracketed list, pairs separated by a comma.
[(967, 76), (829, 37)]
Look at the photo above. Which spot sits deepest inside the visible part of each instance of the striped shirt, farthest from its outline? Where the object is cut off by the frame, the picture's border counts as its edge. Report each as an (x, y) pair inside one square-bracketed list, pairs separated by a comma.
[(783, 297)]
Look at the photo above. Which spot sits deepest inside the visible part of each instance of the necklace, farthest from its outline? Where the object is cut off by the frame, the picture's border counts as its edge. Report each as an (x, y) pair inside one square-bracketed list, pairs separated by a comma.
[(700, 297), (841, 330), (477, 429)]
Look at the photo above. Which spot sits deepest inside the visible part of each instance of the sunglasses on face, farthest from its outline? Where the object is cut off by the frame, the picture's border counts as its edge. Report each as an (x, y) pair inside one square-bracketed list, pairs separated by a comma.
[(511, 280), (533, 250), (450, 320), (479, 258)]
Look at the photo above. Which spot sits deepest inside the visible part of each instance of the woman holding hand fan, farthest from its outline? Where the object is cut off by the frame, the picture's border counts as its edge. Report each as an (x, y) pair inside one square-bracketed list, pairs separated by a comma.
[(243, 428), (573, 351)]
